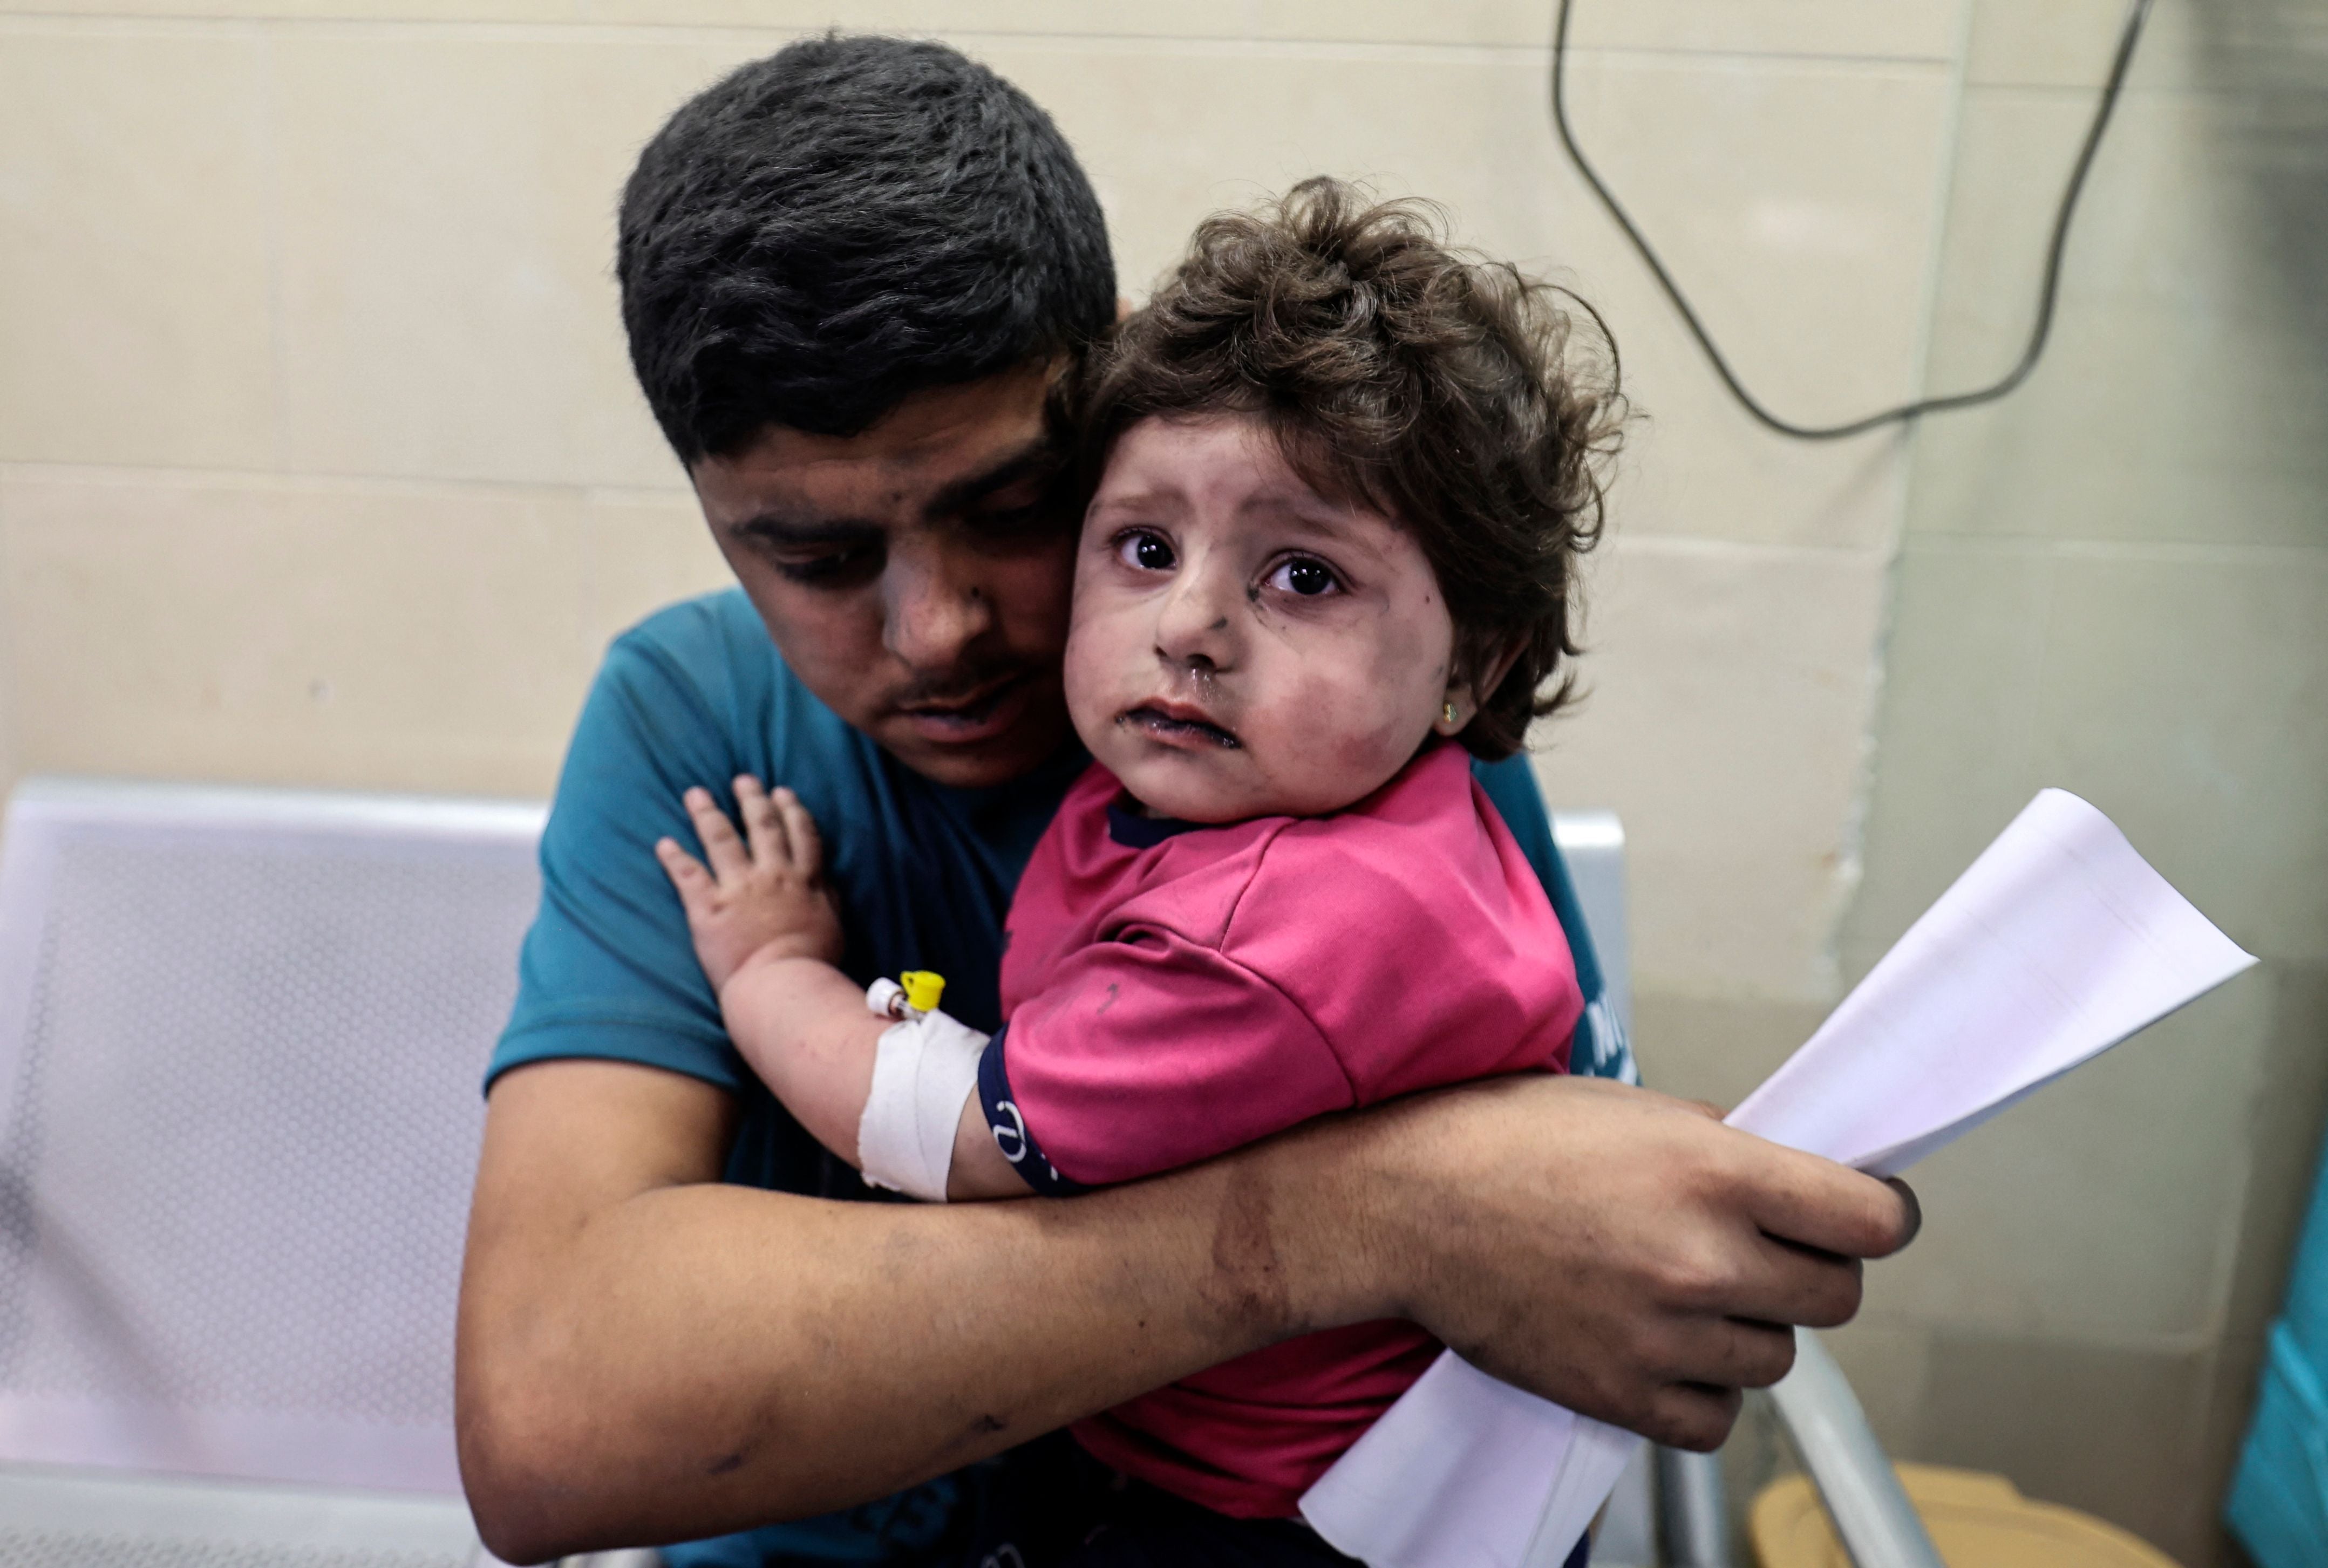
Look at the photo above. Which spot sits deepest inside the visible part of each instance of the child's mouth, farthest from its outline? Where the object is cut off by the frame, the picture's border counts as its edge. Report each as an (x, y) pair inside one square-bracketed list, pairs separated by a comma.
[(1178, 726)]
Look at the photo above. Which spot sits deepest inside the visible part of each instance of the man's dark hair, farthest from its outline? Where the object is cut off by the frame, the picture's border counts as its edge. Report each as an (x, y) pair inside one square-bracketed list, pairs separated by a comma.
[(1443, 390), (845, 223)]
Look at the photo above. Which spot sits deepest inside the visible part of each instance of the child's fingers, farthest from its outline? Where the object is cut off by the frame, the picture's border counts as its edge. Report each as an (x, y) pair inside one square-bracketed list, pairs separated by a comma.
[(726, 852), (808, 850), (685, 872), (761, 829)]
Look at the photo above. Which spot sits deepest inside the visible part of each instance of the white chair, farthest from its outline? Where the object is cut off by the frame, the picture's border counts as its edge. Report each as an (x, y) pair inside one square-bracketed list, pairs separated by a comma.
[(242, 1034)]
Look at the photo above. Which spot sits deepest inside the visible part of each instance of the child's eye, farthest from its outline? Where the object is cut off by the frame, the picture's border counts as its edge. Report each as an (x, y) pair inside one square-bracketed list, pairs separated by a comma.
[(1148, 551), (1305, 577)]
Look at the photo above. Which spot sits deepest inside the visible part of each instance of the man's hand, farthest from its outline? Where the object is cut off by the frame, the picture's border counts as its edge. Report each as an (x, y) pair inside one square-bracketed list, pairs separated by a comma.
[(1612, 1249), (764, 896)]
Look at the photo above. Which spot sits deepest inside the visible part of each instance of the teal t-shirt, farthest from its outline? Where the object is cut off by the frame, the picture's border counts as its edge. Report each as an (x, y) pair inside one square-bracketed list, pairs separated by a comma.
[(695, 695)]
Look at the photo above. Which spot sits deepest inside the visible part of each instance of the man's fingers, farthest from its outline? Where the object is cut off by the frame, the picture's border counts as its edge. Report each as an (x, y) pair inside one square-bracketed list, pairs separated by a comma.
[(1797, 1284), (1817, 1203), (1753, 1355), (721, 846), (1696, 1401), (764, 828), (1691, 1416), (800, 827), (1719, 1352)]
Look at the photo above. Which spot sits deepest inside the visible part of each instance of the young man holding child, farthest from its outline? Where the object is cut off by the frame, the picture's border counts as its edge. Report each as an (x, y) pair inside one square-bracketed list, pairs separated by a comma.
[(850, 274)]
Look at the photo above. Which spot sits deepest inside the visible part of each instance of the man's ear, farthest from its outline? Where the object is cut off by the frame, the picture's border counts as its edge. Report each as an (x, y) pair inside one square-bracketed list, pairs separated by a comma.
[(1466, 692), (1123, 307)]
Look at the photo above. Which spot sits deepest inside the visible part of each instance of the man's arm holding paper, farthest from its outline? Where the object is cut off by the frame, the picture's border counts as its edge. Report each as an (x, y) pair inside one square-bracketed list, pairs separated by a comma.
[(648, 1354)]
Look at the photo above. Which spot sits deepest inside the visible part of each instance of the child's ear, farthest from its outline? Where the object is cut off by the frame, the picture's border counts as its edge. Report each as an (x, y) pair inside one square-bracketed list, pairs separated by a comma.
[(1465, 692)]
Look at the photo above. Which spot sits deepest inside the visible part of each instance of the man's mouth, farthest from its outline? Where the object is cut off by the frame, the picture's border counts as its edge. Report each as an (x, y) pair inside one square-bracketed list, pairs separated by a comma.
[(974, 715), (1176, 723)]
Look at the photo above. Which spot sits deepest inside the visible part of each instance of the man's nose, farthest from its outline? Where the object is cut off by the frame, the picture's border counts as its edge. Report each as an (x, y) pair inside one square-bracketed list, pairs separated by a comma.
[(1195, 628), (936, 609)]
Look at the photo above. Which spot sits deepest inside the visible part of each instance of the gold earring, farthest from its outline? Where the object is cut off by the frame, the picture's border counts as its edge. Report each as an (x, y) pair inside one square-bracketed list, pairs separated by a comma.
[(1450, 713)]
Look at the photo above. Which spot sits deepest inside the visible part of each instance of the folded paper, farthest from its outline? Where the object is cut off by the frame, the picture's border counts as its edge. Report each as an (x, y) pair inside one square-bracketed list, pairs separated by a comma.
[(2057, 942)]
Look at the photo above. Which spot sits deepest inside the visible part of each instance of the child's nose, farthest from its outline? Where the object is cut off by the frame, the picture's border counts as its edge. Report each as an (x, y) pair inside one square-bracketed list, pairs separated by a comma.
[(1196, 630)]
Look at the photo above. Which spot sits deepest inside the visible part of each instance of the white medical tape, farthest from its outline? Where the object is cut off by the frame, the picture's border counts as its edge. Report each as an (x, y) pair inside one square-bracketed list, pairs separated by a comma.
[(925, 1070)]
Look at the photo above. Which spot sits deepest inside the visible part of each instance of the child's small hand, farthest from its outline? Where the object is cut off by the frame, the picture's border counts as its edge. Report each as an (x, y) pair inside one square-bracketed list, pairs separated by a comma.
[(764, 893)]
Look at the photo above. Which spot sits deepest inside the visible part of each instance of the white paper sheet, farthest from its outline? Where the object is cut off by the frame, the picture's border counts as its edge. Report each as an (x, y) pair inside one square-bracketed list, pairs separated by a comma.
[(2057, 944)]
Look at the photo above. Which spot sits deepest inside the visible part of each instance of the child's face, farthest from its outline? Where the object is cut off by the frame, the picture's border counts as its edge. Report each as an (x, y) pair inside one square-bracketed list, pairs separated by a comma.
[(1242, 646)]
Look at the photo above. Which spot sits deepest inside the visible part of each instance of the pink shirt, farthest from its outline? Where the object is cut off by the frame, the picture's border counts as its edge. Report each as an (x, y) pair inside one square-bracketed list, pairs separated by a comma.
[(1171, 993)]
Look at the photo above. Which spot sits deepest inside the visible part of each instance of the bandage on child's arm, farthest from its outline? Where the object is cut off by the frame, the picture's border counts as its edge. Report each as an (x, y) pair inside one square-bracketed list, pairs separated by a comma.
[(804, 1028)]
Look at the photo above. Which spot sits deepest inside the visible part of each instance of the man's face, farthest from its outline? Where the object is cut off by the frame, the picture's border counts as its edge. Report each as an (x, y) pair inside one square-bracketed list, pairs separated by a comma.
[(915, 575)]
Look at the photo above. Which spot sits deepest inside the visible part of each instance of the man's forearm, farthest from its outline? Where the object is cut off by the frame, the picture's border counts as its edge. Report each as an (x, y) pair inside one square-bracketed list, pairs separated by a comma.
[(687, 1358)]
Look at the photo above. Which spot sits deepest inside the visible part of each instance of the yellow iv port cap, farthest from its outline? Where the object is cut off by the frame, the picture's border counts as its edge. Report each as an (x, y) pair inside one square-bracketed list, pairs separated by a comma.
[(922, 988)]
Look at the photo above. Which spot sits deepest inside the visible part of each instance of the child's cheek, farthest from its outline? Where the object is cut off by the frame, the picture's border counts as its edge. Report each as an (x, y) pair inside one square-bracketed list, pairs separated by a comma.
[(1350, 722)]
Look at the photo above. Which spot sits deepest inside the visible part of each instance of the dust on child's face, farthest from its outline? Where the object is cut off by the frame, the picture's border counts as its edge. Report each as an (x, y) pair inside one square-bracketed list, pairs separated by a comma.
[(1241, 645)]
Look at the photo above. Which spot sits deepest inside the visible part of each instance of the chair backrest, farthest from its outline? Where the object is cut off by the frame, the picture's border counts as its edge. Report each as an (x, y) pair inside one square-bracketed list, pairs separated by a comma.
[(1593, 843), (241, 1039)]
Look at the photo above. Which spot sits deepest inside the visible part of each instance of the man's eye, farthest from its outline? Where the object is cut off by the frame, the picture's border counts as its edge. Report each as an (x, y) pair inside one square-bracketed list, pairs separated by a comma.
[(833, 569), (1148, 551), (1305, 577)]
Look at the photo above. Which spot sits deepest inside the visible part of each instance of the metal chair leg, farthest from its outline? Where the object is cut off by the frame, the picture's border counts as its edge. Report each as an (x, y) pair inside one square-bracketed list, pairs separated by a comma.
[(1879, 1526), (1692, 1513)]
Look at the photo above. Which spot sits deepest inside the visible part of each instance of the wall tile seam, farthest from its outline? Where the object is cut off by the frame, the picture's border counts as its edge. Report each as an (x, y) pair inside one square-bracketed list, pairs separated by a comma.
[(1695, 988), (2084, 95), (266, 107), (1672, 545), (1677, 544), (11, 747), (2196, 1340), (2152, 552), (25, 23), (2230, 1236), (1535, 55), (1851, 866), (130, 476)]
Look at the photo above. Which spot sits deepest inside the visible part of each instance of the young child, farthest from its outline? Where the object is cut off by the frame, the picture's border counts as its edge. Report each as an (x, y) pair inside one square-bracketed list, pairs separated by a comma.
[(1338, 478)]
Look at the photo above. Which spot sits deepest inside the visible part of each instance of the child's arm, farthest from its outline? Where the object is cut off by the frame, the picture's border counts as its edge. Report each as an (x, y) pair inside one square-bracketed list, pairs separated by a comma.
[(767, 934)]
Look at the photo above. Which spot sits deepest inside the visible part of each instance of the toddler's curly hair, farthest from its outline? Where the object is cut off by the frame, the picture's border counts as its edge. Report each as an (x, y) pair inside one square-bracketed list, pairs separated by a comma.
[(1448, 391)]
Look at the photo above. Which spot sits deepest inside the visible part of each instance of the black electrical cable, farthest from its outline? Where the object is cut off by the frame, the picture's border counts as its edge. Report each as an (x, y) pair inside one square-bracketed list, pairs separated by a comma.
[(2127, 38)]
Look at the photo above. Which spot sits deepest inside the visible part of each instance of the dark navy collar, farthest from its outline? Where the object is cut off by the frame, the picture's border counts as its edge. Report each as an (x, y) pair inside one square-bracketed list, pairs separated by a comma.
[(1138, 832)]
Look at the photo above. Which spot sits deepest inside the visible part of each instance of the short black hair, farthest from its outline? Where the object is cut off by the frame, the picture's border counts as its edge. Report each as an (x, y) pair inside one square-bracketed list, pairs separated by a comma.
[(851, 220)]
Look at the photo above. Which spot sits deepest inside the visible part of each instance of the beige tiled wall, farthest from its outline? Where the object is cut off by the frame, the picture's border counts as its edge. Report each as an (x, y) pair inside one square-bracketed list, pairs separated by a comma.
[(364, 248), (2117, 583), (320, 463)]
